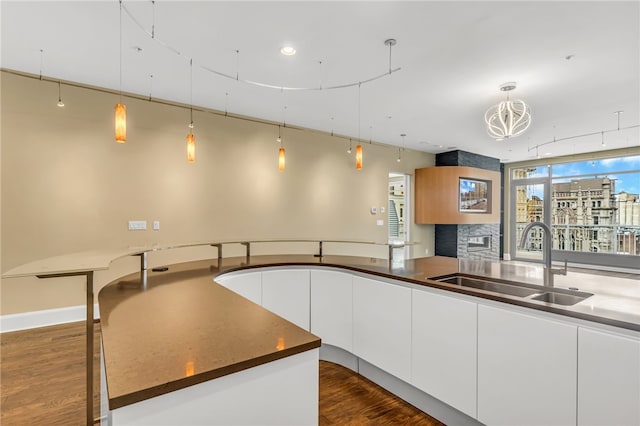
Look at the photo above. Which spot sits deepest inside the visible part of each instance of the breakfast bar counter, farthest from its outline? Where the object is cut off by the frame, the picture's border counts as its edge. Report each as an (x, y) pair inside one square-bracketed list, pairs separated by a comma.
[(181, 331)]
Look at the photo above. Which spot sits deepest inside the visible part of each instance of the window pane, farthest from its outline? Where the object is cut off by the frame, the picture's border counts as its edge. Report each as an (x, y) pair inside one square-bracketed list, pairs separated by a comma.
[(529, 202), (598, 214), (530, 172), (597, 167)]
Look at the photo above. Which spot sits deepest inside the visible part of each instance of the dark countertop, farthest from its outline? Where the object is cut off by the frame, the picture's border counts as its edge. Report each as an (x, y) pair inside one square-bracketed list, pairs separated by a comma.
[(182, 330)]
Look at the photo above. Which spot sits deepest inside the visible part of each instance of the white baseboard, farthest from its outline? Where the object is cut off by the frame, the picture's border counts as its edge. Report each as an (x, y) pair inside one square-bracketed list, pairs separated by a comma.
[(35, 319)]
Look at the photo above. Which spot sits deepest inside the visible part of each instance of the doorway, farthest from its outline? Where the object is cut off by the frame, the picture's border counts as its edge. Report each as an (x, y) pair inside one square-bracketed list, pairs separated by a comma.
[(398, 212)]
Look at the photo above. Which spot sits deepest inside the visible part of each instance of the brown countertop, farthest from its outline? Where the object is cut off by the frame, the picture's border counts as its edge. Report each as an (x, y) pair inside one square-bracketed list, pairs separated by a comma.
[(182, 330)]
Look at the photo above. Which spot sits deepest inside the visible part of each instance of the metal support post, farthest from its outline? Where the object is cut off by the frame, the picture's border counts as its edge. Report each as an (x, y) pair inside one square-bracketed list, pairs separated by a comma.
[(89, 338), (247, 244)]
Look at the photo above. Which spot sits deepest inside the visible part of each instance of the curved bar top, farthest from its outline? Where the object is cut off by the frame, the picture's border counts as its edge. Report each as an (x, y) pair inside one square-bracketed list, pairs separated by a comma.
[(101, 259), (182, 329)]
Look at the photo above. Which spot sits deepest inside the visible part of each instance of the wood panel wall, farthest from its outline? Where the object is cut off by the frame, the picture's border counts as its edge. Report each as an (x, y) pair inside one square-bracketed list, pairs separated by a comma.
[(436, 195)]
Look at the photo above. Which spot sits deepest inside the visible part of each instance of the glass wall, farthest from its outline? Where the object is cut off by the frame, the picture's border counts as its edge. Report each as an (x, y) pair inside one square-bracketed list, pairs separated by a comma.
[(592, 207)]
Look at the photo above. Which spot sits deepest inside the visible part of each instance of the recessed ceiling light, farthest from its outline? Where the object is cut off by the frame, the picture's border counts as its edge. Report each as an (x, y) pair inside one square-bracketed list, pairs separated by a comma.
[(288, 51)]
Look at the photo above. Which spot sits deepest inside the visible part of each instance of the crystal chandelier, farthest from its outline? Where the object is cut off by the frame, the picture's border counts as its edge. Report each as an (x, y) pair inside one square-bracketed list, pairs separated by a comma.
[(508, 118)]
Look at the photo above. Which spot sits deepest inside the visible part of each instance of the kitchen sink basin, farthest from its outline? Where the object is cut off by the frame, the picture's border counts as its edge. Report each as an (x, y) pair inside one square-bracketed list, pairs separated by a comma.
[(493, 286), (562, 298), (556, 296)]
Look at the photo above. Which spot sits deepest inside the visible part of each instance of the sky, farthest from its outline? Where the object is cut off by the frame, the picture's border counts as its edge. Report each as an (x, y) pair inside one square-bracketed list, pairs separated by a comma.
[(610, 167)]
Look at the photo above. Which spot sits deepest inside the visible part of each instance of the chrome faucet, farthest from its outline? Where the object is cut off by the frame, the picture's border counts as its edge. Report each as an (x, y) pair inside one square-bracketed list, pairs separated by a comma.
[(546, 252)]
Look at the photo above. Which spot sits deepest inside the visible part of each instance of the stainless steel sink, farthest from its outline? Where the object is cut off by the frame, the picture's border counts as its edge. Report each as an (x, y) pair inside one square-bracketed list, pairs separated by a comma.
[(562, 298), (538, 293), (493, 286)]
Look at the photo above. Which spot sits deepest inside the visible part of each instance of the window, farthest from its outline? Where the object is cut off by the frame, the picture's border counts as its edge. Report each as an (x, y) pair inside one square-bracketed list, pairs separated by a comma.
[(592, 208)]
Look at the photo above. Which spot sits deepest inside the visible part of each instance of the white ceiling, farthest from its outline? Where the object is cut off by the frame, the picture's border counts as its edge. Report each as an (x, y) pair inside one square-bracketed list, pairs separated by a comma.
[(453, 57)]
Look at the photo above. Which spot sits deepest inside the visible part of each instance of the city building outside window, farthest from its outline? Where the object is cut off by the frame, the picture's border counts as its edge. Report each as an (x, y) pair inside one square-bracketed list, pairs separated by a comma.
[(592, 207)]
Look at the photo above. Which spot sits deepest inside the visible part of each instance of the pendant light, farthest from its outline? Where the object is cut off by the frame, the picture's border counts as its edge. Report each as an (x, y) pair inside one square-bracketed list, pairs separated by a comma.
[(359, 157), (120, 108), (359, 147), (281, 159), (60, 103), (281, 153), (191, 138), (399, 155), (508, 118)]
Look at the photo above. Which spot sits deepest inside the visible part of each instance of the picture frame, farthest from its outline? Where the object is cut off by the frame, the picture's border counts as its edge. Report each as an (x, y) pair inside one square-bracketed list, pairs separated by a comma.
[(473, 195)]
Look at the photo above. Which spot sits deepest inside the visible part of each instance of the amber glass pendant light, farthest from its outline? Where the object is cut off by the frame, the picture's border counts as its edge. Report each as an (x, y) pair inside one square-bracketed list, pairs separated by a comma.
[(358, 147), (281, 156), (121, 109), (191, 148), (281, 159), (191, 138), (121, 123)]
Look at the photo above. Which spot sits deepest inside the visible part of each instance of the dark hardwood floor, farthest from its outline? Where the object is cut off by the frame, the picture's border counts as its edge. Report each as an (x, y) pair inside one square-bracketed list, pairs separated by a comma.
[(42, 383), (347, 398)]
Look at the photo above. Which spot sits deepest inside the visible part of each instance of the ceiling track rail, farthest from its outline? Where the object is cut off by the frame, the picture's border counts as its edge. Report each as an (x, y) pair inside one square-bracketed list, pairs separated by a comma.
[(152, 36)]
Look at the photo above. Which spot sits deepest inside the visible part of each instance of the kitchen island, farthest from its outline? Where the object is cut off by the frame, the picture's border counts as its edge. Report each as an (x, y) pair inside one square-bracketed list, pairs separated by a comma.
[(432, 343)]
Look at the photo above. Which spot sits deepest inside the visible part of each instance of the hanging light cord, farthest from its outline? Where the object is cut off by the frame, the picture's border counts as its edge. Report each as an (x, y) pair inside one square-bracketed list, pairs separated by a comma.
[(358, 112), (153, 19), (41, 62), (120, 51), (191, 96)]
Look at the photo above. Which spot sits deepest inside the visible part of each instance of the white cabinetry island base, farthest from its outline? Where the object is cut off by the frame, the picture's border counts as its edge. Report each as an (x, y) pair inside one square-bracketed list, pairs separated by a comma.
[(282, 392)]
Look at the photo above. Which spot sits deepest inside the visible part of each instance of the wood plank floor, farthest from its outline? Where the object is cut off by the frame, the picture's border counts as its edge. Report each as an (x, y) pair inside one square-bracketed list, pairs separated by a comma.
[(42, 383)]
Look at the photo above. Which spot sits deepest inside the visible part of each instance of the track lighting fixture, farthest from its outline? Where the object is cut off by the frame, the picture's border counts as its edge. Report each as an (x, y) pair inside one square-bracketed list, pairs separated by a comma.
[(60, 103)]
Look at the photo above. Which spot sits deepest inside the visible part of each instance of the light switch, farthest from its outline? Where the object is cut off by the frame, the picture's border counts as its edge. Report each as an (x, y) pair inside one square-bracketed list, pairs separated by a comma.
[(381, 210), (137, 225), (156, 225)]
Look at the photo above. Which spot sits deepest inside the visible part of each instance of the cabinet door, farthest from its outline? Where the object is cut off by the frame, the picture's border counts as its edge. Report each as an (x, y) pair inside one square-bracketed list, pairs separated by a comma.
[(526, 369), (608, 379), (444, 351), (246, 284), (382, 325), (286, 293), (332, 308)]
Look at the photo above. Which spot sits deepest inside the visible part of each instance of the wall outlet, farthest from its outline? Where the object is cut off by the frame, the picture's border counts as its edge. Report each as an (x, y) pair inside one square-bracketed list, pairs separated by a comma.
[(137, 225), (382, 210), (380, 222), (156, 225)]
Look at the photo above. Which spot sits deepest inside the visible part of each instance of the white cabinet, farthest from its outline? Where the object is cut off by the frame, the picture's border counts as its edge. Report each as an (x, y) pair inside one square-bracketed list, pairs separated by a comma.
[(382, 325), (246, 284), (608, 379), (526, 369), (444, 351), (286, 293), (332, 308)]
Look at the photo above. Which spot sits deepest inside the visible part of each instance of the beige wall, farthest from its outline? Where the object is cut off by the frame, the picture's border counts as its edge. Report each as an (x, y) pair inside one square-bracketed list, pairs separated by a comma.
[(67, 186)]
